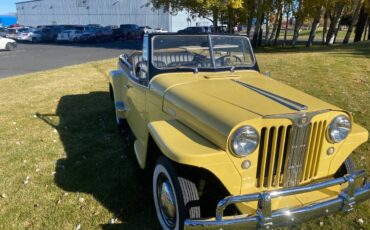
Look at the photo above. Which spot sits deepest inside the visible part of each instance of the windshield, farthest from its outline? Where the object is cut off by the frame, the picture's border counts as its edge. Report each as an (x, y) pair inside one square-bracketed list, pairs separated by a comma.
[(196, 51)]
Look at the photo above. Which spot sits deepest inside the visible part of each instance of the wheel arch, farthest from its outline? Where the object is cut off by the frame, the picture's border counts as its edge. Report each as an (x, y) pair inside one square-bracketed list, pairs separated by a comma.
[(187, 148)]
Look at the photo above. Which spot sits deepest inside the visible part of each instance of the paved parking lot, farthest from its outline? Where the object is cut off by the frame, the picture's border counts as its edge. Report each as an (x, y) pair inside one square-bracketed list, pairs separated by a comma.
[(38, 57)]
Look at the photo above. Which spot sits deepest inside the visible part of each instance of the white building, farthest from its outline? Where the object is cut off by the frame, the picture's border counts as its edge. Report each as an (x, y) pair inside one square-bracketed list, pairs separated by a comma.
[(104, 12)]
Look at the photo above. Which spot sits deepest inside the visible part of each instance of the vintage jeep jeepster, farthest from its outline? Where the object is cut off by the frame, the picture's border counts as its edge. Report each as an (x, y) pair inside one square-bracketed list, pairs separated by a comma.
[(228, 147)]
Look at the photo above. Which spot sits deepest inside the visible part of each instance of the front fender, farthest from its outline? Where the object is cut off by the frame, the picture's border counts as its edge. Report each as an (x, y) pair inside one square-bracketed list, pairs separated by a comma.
[(183, 145)]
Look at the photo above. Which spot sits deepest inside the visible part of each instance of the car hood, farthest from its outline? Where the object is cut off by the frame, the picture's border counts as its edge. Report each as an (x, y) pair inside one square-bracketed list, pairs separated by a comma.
[(213, 104), (6, 40)]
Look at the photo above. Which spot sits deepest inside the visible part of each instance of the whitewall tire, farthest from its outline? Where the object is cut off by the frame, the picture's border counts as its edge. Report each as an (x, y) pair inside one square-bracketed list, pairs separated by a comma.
[(175, 197)]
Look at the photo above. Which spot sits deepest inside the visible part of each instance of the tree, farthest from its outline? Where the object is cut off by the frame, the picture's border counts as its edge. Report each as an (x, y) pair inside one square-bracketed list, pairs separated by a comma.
[(288, 10), (355, 16), (203, 8), (325, 27), (335, 16), (318, 11), (361, 24), (279, 5), (300, 15)]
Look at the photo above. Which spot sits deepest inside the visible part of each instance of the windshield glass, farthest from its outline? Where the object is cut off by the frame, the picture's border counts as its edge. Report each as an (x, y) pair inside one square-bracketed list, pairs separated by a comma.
[(196, 51)]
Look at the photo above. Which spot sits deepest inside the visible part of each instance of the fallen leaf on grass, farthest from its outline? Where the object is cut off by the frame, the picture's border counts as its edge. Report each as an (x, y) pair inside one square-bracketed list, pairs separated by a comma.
[(360, 221)]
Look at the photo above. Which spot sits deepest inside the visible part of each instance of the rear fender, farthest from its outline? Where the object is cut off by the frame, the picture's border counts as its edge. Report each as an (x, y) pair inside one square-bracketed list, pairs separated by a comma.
[(117, 80)]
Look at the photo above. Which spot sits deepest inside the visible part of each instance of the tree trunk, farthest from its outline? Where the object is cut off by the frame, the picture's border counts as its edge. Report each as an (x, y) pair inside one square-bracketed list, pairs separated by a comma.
[(368, 31), (276, 23), (258, 24), (260, 34), (365, 29), (334, 24), (250, 18), (360, 24), (267, 27), (298, 23), (215, 19), (355, 17), (326, 19), (249, 26), (279, 26), (286, 27), (314, 27)]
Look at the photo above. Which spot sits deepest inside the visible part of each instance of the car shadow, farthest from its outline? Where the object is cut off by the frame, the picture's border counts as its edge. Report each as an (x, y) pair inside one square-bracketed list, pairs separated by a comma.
[(99, 161)]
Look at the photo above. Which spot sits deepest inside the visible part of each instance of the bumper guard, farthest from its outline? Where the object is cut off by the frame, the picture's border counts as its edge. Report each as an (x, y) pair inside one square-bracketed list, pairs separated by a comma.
[(265, 218)]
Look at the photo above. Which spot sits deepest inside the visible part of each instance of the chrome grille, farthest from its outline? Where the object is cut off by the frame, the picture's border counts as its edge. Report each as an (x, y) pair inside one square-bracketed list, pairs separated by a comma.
[(289, 155)]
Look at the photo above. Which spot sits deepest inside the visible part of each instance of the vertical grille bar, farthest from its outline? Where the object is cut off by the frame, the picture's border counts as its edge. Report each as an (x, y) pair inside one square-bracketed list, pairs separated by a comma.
[(272, 157), (318, 147), (264, 157), (281, 154)]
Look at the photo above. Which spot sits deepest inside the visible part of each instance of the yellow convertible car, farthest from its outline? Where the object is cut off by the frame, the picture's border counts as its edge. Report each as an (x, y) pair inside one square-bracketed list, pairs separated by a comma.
[(227, 147)]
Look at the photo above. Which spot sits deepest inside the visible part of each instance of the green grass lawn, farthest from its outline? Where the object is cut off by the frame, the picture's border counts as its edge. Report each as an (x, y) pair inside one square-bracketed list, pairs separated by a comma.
[(63, 163)]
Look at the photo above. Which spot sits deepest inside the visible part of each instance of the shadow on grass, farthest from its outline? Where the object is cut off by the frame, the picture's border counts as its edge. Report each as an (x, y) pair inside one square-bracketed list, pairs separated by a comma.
[(98, 162)]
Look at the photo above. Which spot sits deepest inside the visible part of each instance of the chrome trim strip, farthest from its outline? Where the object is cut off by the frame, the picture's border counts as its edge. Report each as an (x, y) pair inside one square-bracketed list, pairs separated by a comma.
[(264, 219), (282, 100)]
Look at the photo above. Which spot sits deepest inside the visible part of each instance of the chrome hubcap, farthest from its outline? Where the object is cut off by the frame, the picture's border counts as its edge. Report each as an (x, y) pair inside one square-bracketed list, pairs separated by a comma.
[(167, 201)]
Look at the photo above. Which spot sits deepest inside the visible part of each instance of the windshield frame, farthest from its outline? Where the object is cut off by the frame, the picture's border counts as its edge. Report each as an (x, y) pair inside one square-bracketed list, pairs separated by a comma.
[(213, 67)]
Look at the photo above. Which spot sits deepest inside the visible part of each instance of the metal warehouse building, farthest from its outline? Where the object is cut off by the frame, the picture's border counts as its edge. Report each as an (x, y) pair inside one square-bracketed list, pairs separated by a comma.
[(104, 12)]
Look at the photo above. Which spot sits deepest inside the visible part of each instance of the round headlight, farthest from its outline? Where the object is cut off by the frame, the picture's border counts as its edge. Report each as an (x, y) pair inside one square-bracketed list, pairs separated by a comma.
[(339, 129), (244, 141)]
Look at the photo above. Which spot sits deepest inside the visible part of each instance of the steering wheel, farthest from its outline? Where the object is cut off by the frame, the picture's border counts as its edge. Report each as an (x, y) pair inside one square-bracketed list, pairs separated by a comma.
[(226, 60), (201, 61)]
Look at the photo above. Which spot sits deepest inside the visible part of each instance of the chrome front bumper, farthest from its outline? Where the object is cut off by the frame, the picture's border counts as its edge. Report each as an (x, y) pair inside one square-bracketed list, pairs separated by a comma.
[(265, 218)]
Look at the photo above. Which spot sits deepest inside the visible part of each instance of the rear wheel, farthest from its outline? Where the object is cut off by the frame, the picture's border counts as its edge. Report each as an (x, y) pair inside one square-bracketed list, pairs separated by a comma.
[(175, 197), (9, 47)]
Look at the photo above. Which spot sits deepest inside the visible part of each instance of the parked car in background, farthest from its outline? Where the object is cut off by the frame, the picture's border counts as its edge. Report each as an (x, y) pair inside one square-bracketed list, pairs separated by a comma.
[(130, 32), (90, 34), (13, 32), (104, 34), (228, 147), (3, 32), (196, 30), (7, 44), (36, 35), (160, 30), (146, 29), (70, 36)]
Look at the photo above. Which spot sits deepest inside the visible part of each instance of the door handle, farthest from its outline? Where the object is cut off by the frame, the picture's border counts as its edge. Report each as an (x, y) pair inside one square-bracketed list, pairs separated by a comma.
[(128, 86)]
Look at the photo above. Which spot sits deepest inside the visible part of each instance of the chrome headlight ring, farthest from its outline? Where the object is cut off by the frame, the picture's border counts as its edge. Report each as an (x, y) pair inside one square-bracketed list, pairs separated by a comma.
[(244, 141), (339, 129)]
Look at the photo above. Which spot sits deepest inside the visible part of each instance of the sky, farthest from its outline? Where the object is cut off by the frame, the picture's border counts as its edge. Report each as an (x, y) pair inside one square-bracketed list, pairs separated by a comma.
[(8, 6)]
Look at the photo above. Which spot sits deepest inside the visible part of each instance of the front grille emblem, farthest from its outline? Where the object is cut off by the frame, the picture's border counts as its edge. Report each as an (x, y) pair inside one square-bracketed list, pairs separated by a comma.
[(303, 120)]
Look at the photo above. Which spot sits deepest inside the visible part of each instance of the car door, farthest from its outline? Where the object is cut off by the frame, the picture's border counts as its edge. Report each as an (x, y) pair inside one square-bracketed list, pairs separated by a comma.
[(136, 89)]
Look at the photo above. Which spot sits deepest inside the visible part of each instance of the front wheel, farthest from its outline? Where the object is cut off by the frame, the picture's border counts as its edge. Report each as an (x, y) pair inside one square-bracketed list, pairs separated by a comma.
[(9, 47), (175, 197)]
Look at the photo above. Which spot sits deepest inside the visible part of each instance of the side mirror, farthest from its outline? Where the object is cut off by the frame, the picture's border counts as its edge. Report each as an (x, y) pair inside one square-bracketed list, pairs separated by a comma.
[(267, 74)]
